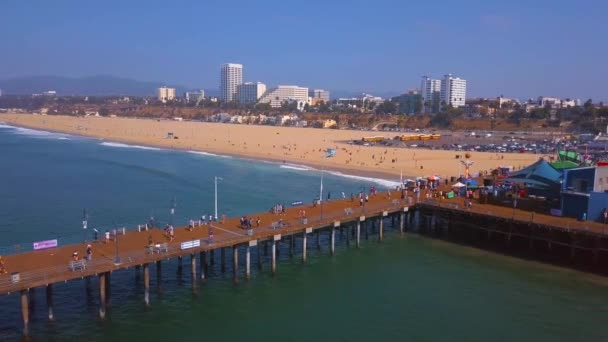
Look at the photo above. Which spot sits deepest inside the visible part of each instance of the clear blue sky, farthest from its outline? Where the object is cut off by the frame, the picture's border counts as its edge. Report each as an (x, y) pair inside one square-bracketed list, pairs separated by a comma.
[(516, 48)]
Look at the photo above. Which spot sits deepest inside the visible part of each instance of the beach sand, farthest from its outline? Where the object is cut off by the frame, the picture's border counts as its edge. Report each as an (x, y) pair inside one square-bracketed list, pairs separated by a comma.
[(292, 145)]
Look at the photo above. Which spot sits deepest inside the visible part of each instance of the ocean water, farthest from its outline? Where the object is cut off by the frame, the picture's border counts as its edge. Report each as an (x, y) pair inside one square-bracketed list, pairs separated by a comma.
[(406, 288)]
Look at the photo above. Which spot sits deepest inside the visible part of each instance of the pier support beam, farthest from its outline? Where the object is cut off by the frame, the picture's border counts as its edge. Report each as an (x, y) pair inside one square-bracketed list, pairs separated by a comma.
[(274, 253), (260, 256), (203, 259), (102, 295), (358, 233), (401, 222), (49, 301), (332, 243), (235, 263), (291, 245), (347, 235), (223, 259), (193, 270), (381, 229), (318, 239), (25, 312), (248, 261), (147, 284), (304, 239)]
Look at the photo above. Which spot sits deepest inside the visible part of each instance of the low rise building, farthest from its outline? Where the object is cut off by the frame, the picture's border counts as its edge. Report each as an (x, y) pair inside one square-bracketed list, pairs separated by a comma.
[(281, 94)]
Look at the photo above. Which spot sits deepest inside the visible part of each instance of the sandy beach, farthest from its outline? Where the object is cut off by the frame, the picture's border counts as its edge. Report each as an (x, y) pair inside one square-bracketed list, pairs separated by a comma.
[(300, 146)]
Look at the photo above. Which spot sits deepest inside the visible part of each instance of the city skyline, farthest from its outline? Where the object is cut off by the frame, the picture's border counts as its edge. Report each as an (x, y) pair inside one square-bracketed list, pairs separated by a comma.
[(507, 49)]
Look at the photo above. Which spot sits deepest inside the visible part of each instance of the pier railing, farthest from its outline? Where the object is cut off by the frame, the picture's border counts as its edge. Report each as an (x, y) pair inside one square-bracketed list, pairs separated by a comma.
[(105, 262)]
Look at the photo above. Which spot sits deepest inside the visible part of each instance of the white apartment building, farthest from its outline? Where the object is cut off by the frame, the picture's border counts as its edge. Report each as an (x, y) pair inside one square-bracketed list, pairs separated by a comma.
[(285, 93), (319, 95), (453, 91), (166, 94), (430, 89), (250, 92), (231, 76), (194, 96)]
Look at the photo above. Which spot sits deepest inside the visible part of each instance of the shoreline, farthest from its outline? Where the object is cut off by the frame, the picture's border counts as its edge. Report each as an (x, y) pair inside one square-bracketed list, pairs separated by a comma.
[(338, 172), (281, 145)]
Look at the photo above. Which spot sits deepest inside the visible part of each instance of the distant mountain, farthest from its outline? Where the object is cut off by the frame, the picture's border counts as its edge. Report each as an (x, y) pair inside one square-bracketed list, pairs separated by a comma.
[(92, 85)]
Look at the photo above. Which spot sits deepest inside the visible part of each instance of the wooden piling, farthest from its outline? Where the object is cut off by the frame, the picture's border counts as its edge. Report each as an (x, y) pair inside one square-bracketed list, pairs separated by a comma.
[(248, 262), (401, 222), (381, 228), (318, 239), (223, 259), (274, 254), (193, 270), (203, 260), (102, 295), (332, 246), (25, 312), (49, 301), (235, 263), (358, 237), (146, 284), (304, 233)]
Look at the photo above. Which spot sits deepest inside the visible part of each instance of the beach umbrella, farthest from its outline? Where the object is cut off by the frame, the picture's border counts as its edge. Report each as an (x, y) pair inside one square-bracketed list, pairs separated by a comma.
[(458, 185), (433, 178)]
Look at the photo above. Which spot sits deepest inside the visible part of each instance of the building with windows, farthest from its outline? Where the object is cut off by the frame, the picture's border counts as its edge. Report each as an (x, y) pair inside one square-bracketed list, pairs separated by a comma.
[(250, 92), (194, 96), (318, 95), (231, 75), (166, 94), (453, 91), (285, 93), (430, 92), (409, 103)]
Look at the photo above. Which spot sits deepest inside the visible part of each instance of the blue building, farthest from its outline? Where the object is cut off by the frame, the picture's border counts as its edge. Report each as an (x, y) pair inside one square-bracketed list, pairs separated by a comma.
[(585, 193)]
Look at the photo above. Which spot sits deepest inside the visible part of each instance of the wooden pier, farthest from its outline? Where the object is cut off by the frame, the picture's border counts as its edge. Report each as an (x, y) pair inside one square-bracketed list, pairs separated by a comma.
[(133, 248)]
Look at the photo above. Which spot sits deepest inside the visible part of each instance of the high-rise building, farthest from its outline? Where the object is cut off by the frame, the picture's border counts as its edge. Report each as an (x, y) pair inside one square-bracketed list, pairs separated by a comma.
[(231, 76), (250, 92), (317, 95), (166, 94), (453, 91), (430, 90), (285, 93)]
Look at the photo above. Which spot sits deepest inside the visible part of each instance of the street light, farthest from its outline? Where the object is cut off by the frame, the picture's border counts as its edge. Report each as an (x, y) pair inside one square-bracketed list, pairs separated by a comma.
[(216, 179), (115, 231), (85, 219)]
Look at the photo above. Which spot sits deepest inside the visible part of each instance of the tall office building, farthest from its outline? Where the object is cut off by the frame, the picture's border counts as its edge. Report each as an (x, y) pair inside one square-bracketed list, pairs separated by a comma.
[(250, 92), (231, 76), (430, 90), (166, 94), (453, 91)]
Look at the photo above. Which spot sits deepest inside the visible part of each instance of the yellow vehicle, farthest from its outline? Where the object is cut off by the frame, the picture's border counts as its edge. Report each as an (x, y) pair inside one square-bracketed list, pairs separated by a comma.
[(372, 139)]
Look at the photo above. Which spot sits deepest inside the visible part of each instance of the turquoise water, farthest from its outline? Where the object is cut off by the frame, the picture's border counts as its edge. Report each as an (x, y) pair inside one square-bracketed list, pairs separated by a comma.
[(406, 288)]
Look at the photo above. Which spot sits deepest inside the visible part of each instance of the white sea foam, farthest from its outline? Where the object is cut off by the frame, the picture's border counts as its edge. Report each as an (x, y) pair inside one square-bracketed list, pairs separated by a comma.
[(296, 167), (35, 133), (379, 181), (209, 154), (121, 145)]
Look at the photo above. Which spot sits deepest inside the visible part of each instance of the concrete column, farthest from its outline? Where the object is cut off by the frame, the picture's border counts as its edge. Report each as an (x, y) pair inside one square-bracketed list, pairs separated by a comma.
[(193, 269), (401, 222), (260, 256), (347, 235), (235, 263), (223, 259), (333, 241), (274, 256), (381, 229), (304, 246), (49, 301), (318, 239), (358, 237), (25, 312), (203, 257), (366, 225), (248, 263), (291, 245), (147, 284), (102, 295), (108, 288)]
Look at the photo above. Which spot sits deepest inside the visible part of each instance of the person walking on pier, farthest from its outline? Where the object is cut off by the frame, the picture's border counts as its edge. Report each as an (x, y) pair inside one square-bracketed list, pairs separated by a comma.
[(606, 216), (210, 240), (2, 266), (89, 252)]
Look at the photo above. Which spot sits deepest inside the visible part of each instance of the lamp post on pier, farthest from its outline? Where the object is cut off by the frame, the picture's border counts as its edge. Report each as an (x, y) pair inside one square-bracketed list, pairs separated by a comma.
[(115, 232), (216, 178)]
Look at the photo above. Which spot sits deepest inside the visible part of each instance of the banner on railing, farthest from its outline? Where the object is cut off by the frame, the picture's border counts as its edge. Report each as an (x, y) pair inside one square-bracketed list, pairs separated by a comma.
[(45, 244), (190, 244)]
